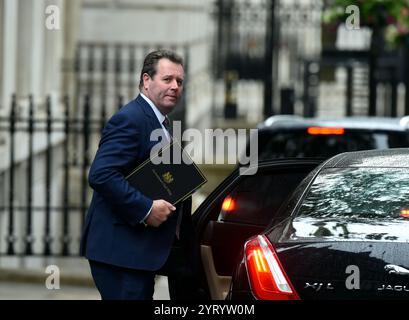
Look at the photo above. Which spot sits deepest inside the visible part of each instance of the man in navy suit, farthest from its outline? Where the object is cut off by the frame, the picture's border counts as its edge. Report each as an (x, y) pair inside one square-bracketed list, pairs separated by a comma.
[(127, 236)]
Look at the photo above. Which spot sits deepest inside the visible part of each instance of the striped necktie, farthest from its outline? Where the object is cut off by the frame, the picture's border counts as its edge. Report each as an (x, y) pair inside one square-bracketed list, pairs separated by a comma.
[(166, 124)]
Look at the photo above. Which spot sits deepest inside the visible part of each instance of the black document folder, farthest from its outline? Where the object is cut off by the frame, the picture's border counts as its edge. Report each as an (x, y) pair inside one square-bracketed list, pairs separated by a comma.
[(172, 179)]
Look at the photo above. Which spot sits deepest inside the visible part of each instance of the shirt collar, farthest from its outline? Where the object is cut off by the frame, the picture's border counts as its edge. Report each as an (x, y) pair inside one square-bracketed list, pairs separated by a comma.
[(158, 114)]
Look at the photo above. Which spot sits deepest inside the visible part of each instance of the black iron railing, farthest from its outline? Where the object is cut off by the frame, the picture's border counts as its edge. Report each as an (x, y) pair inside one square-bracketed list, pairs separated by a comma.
[(105, 76), (23, 132)]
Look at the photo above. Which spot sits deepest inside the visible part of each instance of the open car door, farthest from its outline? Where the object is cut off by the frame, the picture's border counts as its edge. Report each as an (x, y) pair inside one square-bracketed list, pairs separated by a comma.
[(240, 207)]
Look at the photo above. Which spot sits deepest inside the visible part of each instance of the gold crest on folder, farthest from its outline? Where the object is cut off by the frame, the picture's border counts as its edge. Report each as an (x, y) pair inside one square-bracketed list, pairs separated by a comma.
[(167, 177)]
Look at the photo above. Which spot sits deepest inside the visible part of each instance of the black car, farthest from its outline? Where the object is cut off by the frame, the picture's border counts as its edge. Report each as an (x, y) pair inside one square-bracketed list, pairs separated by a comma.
[(343, 234), (286, 136), (240, 207), (244, 205)]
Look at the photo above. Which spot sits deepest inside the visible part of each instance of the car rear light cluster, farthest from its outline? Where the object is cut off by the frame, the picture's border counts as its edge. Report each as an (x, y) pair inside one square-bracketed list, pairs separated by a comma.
[(267, 277)]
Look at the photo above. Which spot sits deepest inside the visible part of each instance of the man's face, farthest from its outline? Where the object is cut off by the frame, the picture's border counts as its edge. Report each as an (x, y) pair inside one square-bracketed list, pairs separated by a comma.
[(166, 86)]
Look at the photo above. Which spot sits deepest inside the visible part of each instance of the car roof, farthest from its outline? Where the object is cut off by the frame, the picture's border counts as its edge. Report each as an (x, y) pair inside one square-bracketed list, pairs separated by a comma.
[(365, 123), (386, 158)]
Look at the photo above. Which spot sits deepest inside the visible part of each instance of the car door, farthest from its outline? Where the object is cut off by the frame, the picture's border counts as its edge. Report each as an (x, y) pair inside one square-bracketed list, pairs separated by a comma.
[(240, 207)]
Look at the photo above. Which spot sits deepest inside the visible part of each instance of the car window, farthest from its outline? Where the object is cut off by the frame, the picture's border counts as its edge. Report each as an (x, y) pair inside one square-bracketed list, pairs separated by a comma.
[(257, 198), (356, 203), (298, 143), (291, 202)]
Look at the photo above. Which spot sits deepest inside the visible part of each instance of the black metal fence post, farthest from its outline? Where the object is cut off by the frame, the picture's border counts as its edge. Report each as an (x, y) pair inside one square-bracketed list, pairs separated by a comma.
[(104, 70), (48, 168), (12, 122), (132, 69), (91, 69), (66, 220), (377, 42), (120, 101), (29, 206), (230, 95), (406, 78), (306, 90), (349, 93), (287, 96), (85, 161), (118, 70), (77, 100), (268, 61), (394, 93)]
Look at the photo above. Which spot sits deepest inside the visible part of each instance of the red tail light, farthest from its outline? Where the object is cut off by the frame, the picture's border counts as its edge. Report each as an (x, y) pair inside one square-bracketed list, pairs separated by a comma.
[(267, 277), (322, 130)]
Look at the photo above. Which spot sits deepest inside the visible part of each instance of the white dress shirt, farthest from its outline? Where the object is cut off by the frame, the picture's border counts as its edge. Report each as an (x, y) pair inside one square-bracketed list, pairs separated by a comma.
[(161, 118)]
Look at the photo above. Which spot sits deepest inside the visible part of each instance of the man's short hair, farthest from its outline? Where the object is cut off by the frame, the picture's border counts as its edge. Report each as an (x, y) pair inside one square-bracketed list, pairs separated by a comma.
[(151, 61)]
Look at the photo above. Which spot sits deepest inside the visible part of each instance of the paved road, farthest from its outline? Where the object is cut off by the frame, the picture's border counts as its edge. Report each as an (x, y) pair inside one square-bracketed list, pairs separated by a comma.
[(36, 291)]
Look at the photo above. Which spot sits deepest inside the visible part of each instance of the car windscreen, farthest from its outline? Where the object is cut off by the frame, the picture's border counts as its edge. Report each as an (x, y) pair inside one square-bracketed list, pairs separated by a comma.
[(299, 143), (355, 203)]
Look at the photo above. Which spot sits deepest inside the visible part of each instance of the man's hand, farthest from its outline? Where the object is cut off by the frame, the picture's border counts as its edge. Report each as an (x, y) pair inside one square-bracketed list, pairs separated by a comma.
[(161, 211)]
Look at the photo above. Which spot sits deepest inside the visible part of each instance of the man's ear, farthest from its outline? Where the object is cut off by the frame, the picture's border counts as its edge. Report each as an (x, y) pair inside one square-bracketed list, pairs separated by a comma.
[(145, 78)]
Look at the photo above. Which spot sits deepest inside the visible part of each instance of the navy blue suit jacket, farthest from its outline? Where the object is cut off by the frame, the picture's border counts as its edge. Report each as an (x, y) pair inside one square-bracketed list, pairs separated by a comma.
[(112, 232)]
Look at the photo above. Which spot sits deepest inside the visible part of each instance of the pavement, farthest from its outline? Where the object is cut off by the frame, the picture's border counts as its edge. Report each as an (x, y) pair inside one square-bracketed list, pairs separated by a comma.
[(35, 278), (25, 277)]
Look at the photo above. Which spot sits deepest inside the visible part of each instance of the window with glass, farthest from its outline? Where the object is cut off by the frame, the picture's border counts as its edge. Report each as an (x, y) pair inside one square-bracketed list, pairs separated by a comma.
[(298, 143), (356, 203)]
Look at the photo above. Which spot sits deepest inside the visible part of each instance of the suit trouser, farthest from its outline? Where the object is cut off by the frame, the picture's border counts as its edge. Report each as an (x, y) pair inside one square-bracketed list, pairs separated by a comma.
[(117, 283), (131, 284)]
